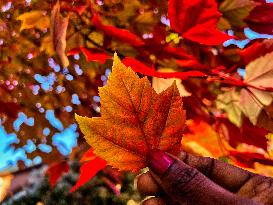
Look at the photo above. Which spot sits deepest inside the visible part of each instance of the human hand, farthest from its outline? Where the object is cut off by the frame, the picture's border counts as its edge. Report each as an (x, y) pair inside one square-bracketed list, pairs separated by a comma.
[(189, 179)]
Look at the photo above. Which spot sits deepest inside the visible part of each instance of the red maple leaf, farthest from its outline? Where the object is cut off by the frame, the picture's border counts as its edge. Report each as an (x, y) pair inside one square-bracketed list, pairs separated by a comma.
[(55, 171), (196, 20), (122, 35), (139, 67), (92, 165), (260, 18), (256, 50), (90, 55)]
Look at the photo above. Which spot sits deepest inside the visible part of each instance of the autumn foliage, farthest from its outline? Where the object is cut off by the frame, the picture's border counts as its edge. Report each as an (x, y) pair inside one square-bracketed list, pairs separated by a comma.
[(178, 80)]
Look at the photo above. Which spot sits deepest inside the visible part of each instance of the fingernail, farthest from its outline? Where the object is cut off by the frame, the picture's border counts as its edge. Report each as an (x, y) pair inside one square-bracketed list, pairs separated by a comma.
[(159, 161)]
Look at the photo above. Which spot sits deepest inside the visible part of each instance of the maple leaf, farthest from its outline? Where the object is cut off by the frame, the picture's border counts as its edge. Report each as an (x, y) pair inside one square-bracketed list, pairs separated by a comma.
[(190, 63), (256, 50), (134, 119), (34, 19), (58, 33), (195, 110), (247, 133), (120, 34), (250, 105), (259, 73), (161, 84), (139, 67), (56, 170), (101, 57), (196, 20), (92, 165), (236, 11), (88, 156), (265, 118), (229, 101), (260, 18), (202, 140)]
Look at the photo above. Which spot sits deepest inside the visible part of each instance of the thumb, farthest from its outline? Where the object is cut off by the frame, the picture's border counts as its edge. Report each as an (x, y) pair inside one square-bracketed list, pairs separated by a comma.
[(186, 184)]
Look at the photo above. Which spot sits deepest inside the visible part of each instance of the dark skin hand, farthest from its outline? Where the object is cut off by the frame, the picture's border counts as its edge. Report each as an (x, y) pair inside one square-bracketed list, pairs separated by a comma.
[(194, 180)]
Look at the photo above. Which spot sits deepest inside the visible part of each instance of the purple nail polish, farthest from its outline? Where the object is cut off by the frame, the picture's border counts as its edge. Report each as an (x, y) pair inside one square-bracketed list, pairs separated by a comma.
[(159, 161)]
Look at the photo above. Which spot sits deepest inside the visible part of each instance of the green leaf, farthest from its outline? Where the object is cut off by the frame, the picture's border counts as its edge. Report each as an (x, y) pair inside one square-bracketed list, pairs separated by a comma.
[(229, 102)]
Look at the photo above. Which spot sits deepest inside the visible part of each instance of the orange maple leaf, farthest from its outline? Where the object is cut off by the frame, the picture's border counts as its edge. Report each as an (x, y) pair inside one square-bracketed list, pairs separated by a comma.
[(202, 140), (134, 119)]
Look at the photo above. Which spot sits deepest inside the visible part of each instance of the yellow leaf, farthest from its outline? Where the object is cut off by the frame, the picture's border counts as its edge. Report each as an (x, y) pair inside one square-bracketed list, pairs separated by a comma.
[(34, 19), (263, 169), (197, 149), (134, 119)]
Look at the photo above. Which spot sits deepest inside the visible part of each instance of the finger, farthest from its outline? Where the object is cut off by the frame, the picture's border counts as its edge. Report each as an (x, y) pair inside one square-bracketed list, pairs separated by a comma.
[(228, 176), (186, 183), (161, 201), (154, 201), (147, 186), (259, 188)]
